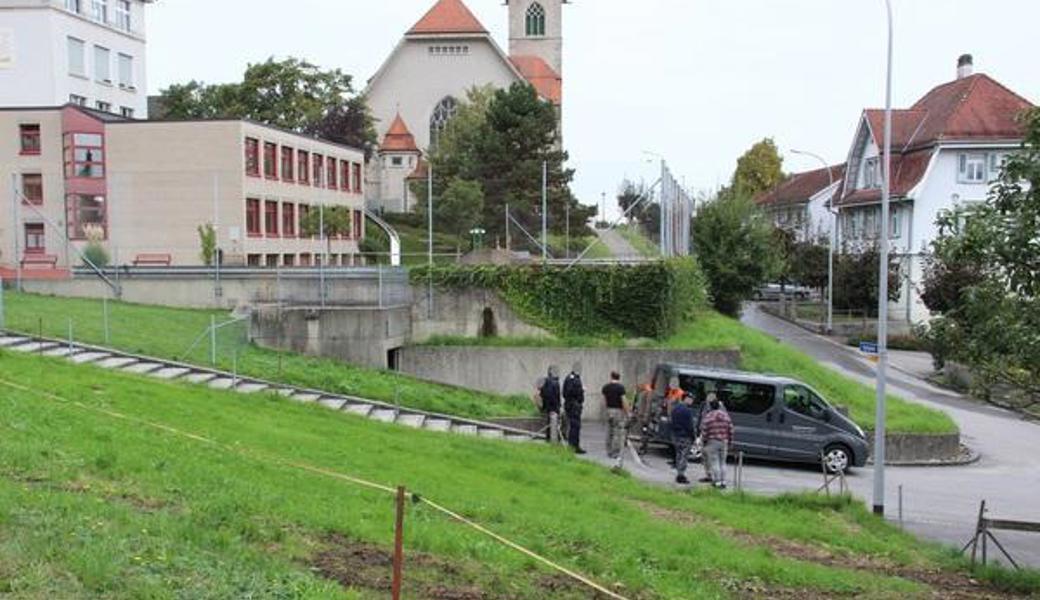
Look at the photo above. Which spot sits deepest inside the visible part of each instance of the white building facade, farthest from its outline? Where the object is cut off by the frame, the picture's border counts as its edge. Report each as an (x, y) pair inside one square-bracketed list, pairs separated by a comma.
[(86, 52)]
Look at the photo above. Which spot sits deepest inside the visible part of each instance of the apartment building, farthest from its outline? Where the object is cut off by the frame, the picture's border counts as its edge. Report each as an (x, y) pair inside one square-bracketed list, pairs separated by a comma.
[(142, 189), (85, 52)]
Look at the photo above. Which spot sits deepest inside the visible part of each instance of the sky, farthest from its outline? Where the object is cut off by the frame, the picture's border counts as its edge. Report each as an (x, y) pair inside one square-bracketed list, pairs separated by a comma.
[(695, 81)]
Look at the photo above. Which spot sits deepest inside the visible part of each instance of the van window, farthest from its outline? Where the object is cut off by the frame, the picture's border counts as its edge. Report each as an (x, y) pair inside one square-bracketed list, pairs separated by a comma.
[(801, 400), (738, 396)]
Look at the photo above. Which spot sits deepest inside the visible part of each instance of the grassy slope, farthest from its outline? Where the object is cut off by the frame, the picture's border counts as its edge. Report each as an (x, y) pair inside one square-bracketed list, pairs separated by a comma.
[(96, 506), (169, 333), (640, 242)]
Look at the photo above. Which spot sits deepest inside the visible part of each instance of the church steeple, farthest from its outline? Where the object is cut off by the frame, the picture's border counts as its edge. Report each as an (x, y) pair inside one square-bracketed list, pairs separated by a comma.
[(536, 29)]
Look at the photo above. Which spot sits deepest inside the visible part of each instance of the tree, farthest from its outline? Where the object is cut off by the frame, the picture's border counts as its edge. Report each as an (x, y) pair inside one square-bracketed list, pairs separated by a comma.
[(292, 94), (856, 279), (734, 243), (207, 243), (459, 208), (759, 169), (338, 221)]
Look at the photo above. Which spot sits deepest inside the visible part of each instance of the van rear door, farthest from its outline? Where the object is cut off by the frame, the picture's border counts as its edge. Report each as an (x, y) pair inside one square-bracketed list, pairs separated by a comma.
[(801, 427)]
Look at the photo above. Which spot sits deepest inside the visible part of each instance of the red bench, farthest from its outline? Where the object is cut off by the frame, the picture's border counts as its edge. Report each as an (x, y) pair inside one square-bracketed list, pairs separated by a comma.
[(153, 260), (40, 260)]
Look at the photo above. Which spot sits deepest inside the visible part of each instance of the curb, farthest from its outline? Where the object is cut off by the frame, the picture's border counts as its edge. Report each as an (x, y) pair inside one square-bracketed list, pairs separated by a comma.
[(967, 456)]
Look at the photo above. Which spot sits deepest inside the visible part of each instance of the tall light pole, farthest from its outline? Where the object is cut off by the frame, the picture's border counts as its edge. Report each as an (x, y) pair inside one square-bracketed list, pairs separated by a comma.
[(834, 234), (882, 327), (545, 211)]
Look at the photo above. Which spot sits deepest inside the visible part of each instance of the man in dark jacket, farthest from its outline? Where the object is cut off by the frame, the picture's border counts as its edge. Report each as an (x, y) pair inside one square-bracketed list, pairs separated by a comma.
[(550, 396), (573, 403), (683, 434)]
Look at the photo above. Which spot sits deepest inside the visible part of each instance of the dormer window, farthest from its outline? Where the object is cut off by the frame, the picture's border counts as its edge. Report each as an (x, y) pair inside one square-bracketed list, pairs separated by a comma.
[(871, 173), (535, 20)]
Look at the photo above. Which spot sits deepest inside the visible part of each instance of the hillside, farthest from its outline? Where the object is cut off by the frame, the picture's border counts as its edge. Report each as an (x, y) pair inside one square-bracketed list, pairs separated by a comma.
[(116, 486)]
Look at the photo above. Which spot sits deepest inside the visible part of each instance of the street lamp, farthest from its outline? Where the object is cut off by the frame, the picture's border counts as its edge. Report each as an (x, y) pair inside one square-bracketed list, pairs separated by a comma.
[(834, 238)]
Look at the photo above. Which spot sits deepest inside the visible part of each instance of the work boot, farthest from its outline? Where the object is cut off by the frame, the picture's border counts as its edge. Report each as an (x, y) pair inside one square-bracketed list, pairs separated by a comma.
[(682, 480), (705, 480), (580, 451)]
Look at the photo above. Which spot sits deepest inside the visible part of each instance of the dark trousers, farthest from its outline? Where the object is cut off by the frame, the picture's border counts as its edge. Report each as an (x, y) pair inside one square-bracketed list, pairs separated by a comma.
[(574, 429)]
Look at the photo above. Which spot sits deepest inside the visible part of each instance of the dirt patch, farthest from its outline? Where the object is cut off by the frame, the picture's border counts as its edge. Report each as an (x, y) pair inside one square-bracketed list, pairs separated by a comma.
[(104, 489)]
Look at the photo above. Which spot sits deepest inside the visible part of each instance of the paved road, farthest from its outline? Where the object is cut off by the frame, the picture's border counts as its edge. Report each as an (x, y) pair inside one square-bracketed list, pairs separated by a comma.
[(617, 244), (939, 503)]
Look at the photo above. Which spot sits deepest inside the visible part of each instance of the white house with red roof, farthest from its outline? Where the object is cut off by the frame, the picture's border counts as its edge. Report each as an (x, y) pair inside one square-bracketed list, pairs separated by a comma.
[(444, 55), (801, 203), (947, 150)]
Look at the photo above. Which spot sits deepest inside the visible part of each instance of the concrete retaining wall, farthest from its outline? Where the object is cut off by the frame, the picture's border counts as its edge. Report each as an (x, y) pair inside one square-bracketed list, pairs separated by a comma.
[(919, 448), (516, 370), (463, 313)]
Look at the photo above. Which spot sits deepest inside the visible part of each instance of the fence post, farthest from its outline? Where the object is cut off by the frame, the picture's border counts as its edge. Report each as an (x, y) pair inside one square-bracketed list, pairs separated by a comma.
[(398, 545), (104, 310), (3, 322), (213, 340), (70, 335)]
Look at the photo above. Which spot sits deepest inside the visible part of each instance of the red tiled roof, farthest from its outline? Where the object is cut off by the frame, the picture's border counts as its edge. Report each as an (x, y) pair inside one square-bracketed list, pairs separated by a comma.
[(907, 171), (447, 16), (398, 138), (421, 171), (800, 187), (538, 73)]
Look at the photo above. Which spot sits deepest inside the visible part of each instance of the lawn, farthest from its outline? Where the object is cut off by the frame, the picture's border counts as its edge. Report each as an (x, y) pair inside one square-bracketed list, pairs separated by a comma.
[(170, 333), (103, 495), (643, 245)]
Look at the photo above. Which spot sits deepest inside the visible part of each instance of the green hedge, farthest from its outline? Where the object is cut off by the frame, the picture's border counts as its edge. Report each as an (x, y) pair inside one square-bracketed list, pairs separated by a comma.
[(646, 300)]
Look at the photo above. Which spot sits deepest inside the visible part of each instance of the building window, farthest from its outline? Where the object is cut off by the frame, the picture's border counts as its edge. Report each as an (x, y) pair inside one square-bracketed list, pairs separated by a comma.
[(32, 189), (77, 100), (270, 160), (77, 57), (397, 161), (253, 260), (304, 213), (442, 113), (30, 138), (996, 164), (271, 261), (303, 161), (253, 218), (305, 259), (289, 260), (99, 10), (102, 64), (271, 218), (85, 155), (35, 240), (536, 20), (104, 106), (331, 170), (895, 224), (461, 50), (126, 112), (126, 71), (288, 165), (86, 213), (289, 220), (357, 179), (123, 14), (319, 169), (72, 6), (972, 168), (344, 175), (871, 176), (252, 157)]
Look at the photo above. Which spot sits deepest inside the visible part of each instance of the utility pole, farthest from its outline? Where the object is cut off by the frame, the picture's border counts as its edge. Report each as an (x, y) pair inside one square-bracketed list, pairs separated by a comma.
[(323, 253), (15, 233), (545, 211), (834, 237), (509, 245), (429, 241)]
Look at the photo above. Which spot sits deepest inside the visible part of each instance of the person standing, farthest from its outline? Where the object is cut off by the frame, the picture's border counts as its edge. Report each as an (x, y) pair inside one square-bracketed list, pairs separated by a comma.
[(683, 434), (550, 396), (573, 404), (717, 431), (700, 411), (617, 418)]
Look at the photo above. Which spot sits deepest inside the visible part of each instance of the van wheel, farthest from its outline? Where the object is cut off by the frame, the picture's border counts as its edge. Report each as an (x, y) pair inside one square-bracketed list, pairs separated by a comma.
[(837, 458)]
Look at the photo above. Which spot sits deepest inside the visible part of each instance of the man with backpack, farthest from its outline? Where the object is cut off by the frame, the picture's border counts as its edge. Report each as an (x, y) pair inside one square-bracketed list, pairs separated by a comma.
[(573, 403), (549, 394)]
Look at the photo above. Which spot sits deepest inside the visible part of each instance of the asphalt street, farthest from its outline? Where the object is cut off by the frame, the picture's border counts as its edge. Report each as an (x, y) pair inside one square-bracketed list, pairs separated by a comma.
[(939, 503)]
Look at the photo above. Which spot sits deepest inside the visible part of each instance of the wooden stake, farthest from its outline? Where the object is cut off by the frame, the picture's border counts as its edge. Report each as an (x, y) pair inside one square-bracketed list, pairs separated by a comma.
[(398, 545)]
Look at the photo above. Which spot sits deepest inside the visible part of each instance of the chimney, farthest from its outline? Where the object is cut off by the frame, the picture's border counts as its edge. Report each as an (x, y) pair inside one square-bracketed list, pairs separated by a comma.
[(965, 66)]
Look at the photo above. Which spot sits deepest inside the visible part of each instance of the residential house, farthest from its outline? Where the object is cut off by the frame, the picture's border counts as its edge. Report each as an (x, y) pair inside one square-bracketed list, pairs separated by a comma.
[(801, 203)]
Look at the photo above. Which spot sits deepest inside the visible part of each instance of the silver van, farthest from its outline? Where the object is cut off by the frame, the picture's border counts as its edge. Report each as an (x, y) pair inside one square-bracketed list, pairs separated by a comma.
[(775, 418)]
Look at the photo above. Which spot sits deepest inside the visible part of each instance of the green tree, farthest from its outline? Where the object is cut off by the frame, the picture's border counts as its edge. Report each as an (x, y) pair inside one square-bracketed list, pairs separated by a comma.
[(760, 168), (207, 243), (736, 248), (856, 279), (460, 208), (338, 221)]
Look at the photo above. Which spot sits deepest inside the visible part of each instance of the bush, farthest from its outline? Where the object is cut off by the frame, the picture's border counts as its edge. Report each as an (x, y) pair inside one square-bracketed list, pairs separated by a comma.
[(96, 254), (645, 300)]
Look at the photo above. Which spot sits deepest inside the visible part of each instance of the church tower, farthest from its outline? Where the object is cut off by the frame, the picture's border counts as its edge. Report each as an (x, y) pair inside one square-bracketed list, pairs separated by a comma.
[(536, 29)]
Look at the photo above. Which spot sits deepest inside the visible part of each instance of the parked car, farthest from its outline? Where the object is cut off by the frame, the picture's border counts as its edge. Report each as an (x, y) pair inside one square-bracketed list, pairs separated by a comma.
[(775, 418), (773, 292)]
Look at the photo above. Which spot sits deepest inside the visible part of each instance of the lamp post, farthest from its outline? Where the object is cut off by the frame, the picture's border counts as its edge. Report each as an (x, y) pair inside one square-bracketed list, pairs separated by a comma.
[(882, 327), (833, 241)]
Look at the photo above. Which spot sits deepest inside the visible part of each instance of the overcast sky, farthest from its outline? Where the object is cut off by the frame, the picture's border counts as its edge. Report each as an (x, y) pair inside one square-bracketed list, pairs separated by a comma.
[(697, 81)]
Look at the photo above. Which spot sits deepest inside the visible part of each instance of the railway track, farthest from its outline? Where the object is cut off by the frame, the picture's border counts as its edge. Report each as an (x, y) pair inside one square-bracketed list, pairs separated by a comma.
[(167, 370)]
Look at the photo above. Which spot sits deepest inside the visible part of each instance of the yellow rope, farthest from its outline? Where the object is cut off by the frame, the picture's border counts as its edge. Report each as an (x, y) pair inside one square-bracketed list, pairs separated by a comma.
[(319, 471)]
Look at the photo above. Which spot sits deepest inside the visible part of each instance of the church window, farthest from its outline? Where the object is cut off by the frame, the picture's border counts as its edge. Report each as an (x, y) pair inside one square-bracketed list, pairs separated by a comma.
[(397, 161), (536, 20), (443, 113)]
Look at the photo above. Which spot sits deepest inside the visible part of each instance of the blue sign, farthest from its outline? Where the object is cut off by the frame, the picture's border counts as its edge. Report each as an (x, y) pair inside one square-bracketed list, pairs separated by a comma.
[(868, 348)]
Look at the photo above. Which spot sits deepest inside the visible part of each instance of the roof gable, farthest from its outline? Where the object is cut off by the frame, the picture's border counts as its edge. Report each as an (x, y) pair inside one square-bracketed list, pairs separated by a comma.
[(800, 188), (447, 16), (398, 138)]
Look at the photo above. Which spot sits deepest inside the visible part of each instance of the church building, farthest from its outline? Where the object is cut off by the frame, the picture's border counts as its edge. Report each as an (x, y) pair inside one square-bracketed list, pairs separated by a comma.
[(447, 53)]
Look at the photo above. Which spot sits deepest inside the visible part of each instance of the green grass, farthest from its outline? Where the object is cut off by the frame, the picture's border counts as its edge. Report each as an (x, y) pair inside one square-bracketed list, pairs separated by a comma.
[(764, 354), (97, 501), (640, 242), (169, 333)]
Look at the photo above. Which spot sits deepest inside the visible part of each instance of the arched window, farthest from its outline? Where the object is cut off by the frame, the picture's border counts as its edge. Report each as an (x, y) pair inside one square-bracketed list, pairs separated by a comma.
[(536, 20), (443, 113)]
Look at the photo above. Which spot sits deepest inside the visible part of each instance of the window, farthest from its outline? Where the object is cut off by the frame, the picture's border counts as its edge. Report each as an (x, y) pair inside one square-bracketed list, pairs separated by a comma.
[(72, 6), (357, 179), (126, 112), (84, 155), (803, 401), (972, 168), (319, 168), (288, 164), (32, 189), (104, 106), (252, 157), (871, 174), (895, 225), (289, 260), (30, 138), (99, 10), (344, 175), (77, 59), (86, 213), (461, 50), (996, 164), (102, 64), (126, 71), (331, 170), (303, 161), (253, 218), (123, 14), (77, 100), (870, 224), (270, 160), (271, 261), (35, 242), (271, 218), (535, 20), (397, 161), (253, 260), (739, 397), (442, 113), (289, 220), (304, 213), (305, 259)]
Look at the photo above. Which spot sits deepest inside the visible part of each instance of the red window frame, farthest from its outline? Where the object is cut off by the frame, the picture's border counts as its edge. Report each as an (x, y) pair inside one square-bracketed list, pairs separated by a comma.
[(288, 164), (253, 218), (289, 220), (303, 162), (32, 188), (74, 211), (89, 167), (330, 170), (270, 160), (271, 218), (252, 157), (318, 180), (357, 178), (35, 238), (344, 175), (30, 141), (359, 223)]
